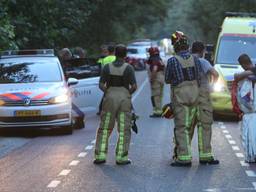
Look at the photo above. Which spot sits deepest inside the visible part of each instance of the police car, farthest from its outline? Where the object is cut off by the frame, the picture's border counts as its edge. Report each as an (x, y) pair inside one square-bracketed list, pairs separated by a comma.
[(34, 92)]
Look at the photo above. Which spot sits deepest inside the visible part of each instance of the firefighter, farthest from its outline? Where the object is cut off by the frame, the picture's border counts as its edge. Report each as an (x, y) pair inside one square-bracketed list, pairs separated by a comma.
[(156, 76), (108, 53), (204, 118), (118, 83), (182, 74)]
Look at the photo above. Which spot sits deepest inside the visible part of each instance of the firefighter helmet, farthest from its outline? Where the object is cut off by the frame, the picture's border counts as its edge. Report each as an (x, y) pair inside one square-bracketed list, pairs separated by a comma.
[(167, 111), (179, 38), (179, 41), (153, 51)]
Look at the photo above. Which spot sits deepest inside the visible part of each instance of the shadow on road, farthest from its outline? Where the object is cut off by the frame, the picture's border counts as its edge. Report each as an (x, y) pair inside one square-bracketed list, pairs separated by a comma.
[(31, 132)]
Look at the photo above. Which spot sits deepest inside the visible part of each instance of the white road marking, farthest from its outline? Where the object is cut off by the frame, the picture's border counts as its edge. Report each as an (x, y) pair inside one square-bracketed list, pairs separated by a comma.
[(232, 142), (223, 127), (250, 173), (235, 148), (93, 141), (221, 123), (254, 185), (210, 190), (140, 89), (54, 184), (89, 147), (228, 136), (240, 155), (64, 172), (74, 163), (82, 154), (225, 131), (244, 164)]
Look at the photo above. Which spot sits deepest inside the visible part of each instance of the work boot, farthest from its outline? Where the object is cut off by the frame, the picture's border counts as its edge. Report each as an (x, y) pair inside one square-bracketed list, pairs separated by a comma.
[(97, 161), (181, 164), (209, 162), (128, 161)]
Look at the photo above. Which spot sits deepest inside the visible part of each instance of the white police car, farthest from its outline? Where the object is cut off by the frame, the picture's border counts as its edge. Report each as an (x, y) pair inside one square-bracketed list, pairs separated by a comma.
[(33, 91)]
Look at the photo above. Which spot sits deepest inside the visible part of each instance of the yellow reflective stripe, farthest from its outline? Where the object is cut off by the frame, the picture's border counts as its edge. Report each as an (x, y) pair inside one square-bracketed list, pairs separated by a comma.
[(104, 139), (184, 158), (186, 130), (205, 155), (121, 138), (187, 140)]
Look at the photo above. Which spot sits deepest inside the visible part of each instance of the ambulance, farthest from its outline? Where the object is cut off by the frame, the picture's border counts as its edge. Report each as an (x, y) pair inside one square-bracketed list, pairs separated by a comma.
[(237, 36)]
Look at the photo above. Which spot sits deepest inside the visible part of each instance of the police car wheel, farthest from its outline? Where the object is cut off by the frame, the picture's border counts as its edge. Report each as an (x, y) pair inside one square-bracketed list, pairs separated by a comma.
[(67, 130)]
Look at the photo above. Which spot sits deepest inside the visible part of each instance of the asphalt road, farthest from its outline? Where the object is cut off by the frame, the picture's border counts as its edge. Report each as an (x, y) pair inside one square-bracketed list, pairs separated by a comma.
[(43, 160)]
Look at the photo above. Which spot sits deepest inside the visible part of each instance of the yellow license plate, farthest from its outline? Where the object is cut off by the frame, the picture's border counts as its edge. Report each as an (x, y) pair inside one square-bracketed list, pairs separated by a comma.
[(27, 113)]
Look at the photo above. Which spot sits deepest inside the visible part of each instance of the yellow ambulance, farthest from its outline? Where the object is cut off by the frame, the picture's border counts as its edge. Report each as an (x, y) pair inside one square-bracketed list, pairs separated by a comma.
[(237, 36)]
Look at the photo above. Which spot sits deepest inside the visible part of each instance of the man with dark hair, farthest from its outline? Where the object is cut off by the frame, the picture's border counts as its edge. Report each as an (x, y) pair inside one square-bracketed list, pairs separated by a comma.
[(182, 73), (246, 63), (243, 97), (110, 55), (118, 83), (204, 119)]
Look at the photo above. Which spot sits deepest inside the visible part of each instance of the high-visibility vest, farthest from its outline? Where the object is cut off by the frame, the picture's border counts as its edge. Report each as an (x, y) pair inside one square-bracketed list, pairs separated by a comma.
[(107, 60)]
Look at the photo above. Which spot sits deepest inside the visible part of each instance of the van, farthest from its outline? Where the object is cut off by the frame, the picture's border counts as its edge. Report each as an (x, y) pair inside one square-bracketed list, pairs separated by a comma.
[(237, 36)]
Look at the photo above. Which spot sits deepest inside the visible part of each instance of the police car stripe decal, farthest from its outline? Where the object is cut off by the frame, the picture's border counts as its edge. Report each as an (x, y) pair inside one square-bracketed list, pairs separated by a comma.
[(21, 95), (40, 96), (12, 96)]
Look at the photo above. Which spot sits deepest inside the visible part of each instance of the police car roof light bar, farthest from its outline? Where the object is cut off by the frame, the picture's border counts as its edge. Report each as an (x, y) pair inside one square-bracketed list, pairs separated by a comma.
[(240, 14), (36, 52)]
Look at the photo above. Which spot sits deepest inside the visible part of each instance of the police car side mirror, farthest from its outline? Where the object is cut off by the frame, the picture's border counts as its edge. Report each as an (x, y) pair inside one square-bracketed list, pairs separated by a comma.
[(72, 81)]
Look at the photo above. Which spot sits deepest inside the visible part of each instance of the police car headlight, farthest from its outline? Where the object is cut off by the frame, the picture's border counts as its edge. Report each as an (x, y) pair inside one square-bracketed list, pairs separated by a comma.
[(219, 87), (2, 102), (59, 99)]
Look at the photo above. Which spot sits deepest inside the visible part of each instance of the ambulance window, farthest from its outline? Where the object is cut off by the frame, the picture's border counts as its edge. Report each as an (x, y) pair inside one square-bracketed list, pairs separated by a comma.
[(82, 68), (231, 47)]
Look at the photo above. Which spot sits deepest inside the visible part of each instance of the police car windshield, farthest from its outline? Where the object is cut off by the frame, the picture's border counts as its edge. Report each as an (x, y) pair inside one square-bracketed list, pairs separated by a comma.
[(231, 47), (29, 71)]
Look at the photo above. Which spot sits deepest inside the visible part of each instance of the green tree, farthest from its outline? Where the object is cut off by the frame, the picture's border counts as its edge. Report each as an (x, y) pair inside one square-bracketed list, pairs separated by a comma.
[(6, 29)]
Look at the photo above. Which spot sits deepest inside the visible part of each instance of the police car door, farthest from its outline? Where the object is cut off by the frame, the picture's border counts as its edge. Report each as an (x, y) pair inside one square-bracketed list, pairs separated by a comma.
[(86, 95)]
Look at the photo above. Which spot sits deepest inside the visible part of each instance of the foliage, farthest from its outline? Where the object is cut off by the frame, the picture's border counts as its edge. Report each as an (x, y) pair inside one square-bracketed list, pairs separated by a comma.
[(55, 24)]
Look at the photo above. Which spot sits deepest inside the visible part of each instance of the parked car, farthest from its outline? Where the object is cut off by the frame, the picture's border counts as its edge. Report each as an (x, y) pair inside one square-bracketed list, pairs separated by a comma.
[(34, 92), (137, 56)]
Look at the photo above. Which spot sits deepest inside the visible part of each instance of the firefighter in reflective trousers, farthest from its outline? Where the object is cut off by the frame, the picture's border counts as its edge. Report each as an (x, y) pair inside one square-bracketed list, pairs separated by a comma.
[(156, 76), (118, 83), (183, 74)]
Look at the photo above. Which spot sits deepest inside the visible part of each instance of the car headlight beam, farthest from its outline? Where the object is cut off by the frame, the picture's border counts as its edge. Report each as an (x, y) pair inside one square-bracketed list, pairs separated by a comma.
[(219, 87), (59, 99), (2, 102)]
